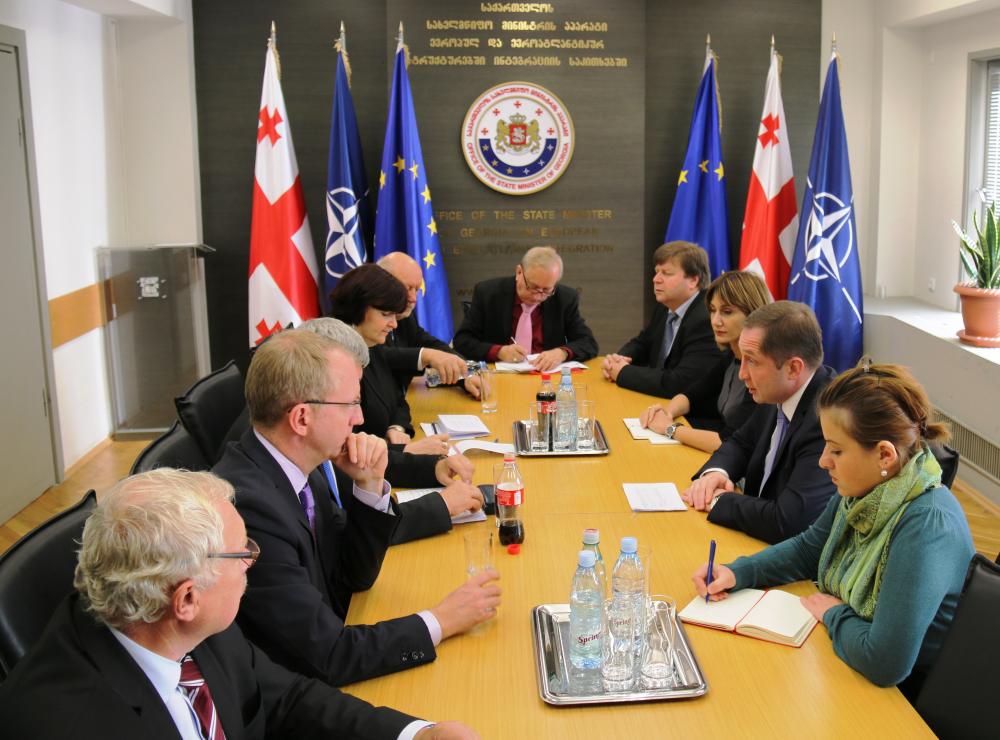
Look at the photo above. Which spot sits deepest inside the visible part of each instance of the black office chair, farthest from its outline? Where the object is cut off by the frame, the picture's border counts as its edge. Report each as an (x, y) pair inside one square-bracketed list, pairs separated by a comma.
[(173, 449), (35, 575), (959, 697), (210, 406), (948, 460)]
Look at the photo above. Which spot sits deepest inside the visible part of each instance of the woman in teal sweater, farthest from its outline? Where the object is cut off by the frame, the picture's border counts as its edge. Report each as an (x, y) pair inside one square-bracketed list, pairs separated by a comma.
[(890, 553)]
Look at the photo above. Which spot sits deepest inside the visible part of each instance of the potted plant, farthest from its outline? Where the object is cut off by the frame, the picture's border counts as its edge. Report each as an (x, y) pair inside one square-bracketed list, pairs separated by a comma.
[(981, 295)]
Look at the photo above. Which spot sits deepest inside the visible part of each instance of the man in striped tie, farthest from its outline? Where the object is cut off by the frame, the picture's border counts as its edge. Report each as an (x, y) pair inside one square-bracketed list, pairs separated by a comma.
[(147, 648)]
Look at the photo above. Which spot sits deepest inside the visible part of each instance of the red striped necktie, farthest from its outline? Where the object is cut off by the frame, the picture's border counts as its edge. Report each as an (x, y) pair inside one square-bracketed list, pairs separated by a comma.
[(193, 686)]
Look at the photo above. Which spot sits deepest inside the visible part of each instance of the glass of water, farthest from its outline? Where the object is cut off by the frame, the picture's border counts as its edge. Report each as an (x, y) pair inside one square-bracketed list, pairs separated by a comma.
[(585, 425)]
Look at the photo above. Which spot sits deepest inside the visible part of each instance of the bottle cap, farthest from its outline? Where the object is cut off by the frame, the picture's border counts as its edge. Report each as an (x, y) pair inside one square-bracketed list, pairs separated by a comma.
[(508, 457), (591, 536), (586, 558), (546, 376), (513, 549), (629, 545)]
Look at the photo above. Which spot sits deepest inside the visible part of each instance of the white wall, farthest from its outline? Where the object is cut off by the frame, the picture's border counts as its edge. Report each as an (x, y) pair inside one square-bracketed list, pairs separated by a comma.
[(116, 152)]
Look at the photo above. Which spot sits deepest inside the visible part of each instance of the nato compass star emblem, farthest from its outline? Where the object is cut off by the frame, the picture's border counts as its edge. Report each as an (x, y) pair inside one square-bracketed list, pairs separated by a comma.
[(343, 251), (829, 241)]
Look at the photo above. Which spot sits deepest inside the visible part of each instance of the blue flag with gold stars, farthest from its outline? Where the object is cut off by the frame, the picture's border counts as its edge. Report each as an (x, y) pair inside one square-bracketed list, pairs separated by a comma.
[(404, 219), (699, 212)]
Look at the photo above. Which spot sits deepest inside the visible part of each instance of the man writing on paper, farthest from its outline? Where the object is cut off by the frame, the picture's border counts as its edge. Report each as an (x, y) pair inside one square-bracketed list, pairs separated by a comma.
[(677, 346), (321, 543), (409, 349), (529, 313), (777, 450), (147, 647)]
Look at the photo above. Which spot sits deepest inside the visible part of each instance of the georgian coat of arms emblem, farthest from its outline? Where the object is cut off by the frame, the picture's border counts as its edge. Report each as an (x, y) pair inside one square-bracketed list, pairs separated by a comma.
[(517, 138)]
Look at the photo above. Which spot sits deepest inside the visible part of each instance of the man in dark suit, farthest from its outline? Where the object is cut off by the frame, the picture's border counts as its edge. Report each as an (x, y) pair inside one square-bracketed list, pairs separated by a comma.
[(147, 647), (777, 450), (409, 349), (319, 544), (529, 313), (678, 345)]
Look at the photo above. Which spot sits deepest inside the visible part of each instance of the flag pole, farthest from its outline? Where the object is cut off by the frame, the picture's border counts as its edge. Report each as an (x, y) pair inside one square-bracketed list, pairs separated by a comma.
[(341, 46), (272, 42)]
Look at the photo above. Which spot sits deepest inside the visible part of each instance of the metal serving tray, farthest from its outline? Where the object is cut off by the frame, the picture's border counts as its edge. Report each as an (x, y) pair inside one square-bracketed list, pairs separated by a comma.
[(550, 630), (601, 446)]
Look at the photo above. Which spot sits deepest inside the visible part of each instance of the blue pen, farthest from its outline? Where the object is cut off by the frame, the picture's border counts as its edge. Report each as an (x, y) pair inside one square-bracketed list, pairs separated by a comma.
[(711, 565)]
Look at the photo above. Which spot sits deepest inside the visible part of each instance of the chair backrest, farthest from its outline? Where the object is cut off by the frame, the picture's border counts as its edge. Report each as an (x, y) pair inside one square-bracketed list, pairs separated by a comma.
[(35, 575), (210, 406), (959, 697), (948, 460), (173, 449)]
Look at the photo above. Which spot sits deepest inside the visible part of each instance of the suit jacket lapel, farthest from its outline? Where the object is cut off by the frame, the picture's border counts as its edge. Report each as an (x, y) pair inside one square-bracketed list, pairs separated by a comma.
[(373, 385), (508, 295), (660, 326), (803, 410), (227, 703), (121, 672), (287, 498)]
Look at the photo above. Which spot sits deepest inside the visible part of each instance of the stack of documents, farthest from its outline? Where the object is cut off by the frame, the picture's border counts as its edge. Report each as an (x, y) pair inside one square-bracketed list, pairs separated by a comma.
[(415, 493), (638, 432), (460, 426), (525, 366)]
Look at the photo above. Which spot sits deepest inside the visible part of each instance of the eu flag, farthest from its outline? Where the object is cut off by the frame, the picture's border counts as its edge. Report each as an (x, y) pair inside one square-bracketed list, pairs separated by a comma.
[(826, 273), (699, 211), (404, 220), (348, 212)]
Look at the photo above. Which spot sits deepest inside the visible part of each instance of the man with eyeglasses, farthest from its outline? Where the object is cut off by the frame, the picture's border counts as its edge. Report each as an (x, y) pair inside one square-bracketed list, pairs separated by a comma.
[(527, 314), (324, 534), (147, 648)]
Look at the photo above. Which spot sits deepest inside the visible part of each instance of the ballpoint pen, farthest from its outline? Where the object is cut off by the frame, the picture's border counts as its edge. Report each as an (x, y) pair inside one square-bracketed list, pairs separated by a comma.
[(711, 565)]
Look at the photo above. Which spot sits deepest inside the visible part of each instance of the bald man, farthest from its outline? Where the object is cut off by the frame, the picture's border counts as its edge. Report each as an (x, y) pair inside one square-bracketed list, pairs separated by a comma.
[(410, 349)]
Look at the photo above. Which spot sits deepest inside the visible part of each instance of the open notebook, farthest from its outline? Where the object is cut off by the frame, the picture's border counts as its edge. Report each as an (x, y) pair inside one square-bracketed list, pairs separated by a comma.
[(773, 615)]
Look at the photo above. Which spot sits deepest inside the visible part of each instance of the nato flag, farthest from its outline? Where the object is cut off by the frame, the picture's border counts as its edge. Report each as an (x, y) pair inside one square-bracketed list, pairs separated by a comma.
[(404, 220), (348, 211), (699, 211), (826, 272)]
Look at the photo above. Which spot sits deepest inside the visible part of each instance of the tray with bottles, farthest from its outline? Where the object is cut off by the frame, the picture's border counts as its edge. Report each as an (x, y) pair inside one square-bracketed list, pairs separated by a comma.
[(524, 449), (558, 684)]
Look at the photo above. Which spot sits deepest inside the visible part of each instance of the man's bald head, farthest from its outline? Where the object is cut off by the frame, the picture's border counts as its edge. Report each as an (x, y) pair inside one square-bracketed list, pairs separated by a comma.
[(407, 271)]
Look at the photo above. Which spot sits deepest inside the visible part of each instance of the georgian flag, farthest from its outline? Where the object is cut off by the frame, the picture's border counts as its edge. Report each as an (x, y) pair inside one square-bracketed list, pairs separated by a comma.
[(283, 271), (771, 221)]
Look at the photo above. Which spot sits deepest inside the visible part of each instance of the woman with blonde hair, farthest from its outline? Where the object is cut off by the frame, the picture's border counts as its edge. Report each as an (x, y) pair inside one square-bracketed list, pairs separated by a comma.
[(889, 554), (719, 399)]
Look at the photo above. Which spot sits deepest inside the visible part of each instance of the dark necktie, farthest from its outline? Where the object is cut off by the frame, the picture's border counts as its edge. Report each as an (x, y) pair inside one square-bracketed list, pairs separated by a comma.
[(668, 339), (193, 685), (308, 505), (781, 425)]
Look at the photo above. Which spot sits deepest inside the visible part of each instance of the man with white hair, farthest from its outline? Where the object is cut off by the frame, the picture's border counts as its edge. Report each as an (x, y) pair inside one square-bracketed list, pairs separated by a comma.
[(409, 349), (511, 318), (147, 647), (323, 538)]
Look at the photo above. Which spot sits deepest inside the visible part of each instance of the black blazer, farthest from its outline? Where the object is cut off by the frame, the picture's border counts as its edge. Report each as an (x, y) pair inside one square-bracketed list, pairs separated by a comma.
[(79, 682), (300, 587), (693, 353), (383, 400), (798, 489), (402, 348), (489, 319), (703, 395)]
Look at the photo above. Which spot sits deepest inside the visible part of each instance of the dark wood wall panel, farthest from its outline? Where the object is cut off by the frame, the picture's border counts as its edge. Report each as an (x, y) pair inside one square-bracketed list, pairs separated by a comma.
[(631, 127)]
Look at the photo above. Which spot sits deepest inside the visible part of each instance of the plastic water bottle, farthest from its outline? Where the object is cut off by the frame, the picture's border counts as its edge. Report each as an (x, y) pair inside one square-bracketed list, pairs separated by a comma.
[(565, 413), (592, 542), (586, 605), (432, 377), (628, 585), (546, 400)]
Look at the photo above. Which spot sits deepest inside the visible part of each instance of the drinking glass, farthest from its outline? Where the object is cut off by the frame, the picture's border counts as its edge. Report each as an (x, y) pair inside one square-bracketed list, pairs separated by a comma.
[(656, 670), (618, 668), (488, 391), (479, 551), (531, 426), (584, 425)]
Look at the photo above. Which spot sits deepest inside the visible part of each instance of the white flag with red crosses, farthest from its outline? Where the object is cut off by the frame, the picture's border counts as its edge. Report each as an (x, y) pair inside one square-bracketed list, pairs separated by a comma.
[(283, 272)]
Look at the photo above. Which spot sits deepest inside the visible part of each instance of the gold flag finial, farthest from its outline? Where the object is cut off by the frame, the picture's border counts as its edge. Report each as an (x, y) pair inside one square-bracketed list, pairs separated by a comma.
[(272, 42), (833, 44), (341, 46), (403, 46), (772, 42)]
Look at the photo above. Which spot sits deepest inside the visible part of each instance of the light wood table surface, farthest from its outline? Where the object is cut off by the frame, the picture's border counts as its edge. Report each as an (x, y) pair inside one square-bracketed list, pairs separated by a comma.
[(487, 679)]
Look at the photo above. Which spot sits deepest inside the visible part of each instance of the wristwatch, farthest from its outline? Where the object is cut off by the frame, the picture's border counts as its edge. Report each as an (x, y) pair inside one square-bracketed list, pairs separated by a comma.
[(672, 430)]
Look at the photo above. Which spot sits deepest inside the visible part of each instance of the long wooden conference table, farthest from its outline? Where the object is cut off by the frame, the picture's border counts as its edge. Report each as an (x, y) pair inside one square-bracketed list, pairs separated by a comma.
[(487, 679)]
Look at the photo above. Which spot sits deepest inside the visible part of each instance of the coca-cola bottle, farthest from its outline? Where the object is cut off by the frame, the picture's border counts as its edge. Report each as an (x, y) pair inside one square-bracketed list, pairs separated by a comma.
[(509, 496), (546, 399)]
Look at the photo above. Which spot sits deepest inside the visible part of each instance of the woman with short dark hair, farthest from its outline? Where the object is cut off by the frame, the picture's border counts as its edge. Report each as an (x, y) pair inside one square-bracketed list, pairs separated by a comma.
[(889, 554)]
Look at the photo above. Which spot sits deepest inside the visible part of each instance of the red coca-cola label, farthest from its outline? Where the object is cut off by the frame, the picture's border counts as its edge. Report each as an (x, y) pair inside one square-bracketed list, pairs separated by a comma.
[(546, 407), (509, 496)]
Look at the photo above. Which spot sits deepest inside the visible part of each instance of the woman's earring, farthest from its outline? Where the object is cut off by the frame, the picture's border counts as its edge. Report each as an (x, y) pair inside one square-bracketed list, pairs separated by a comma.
[(884, 472)]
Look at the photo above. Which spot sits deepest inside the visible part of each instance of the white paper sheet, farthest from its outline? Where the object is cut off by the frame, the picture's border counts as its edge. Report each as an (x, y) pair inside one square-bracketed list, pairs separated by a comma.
[(653, 497), (526, 367), (500, 448), (461, 426), (639, 432), (415, 493)]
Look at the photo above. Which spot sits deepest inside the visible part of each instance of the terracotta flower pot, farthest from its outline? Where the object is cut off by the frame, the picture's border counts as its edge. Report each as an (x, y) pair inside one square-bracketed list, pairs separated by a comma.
[(981, 315)]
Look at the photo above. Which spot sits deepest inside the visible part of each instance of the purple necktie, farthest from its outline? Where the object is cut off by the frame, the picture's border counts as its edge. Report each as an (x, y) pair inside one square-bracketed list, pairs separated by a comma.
[(308, 505), (781, 425)]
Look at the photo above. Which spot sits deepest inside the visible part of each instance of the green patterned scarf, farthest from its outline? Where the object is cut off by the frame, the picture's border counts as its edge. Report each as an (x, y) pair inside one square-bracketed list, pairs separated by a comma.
[(854, 556)]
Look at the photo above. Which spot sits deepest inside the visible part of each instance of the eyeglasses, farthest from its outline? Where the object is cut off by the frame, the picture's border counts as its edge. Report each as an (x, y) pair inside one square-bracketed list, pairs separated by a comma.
[(248, 556), (355, 402), (531, 288)]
